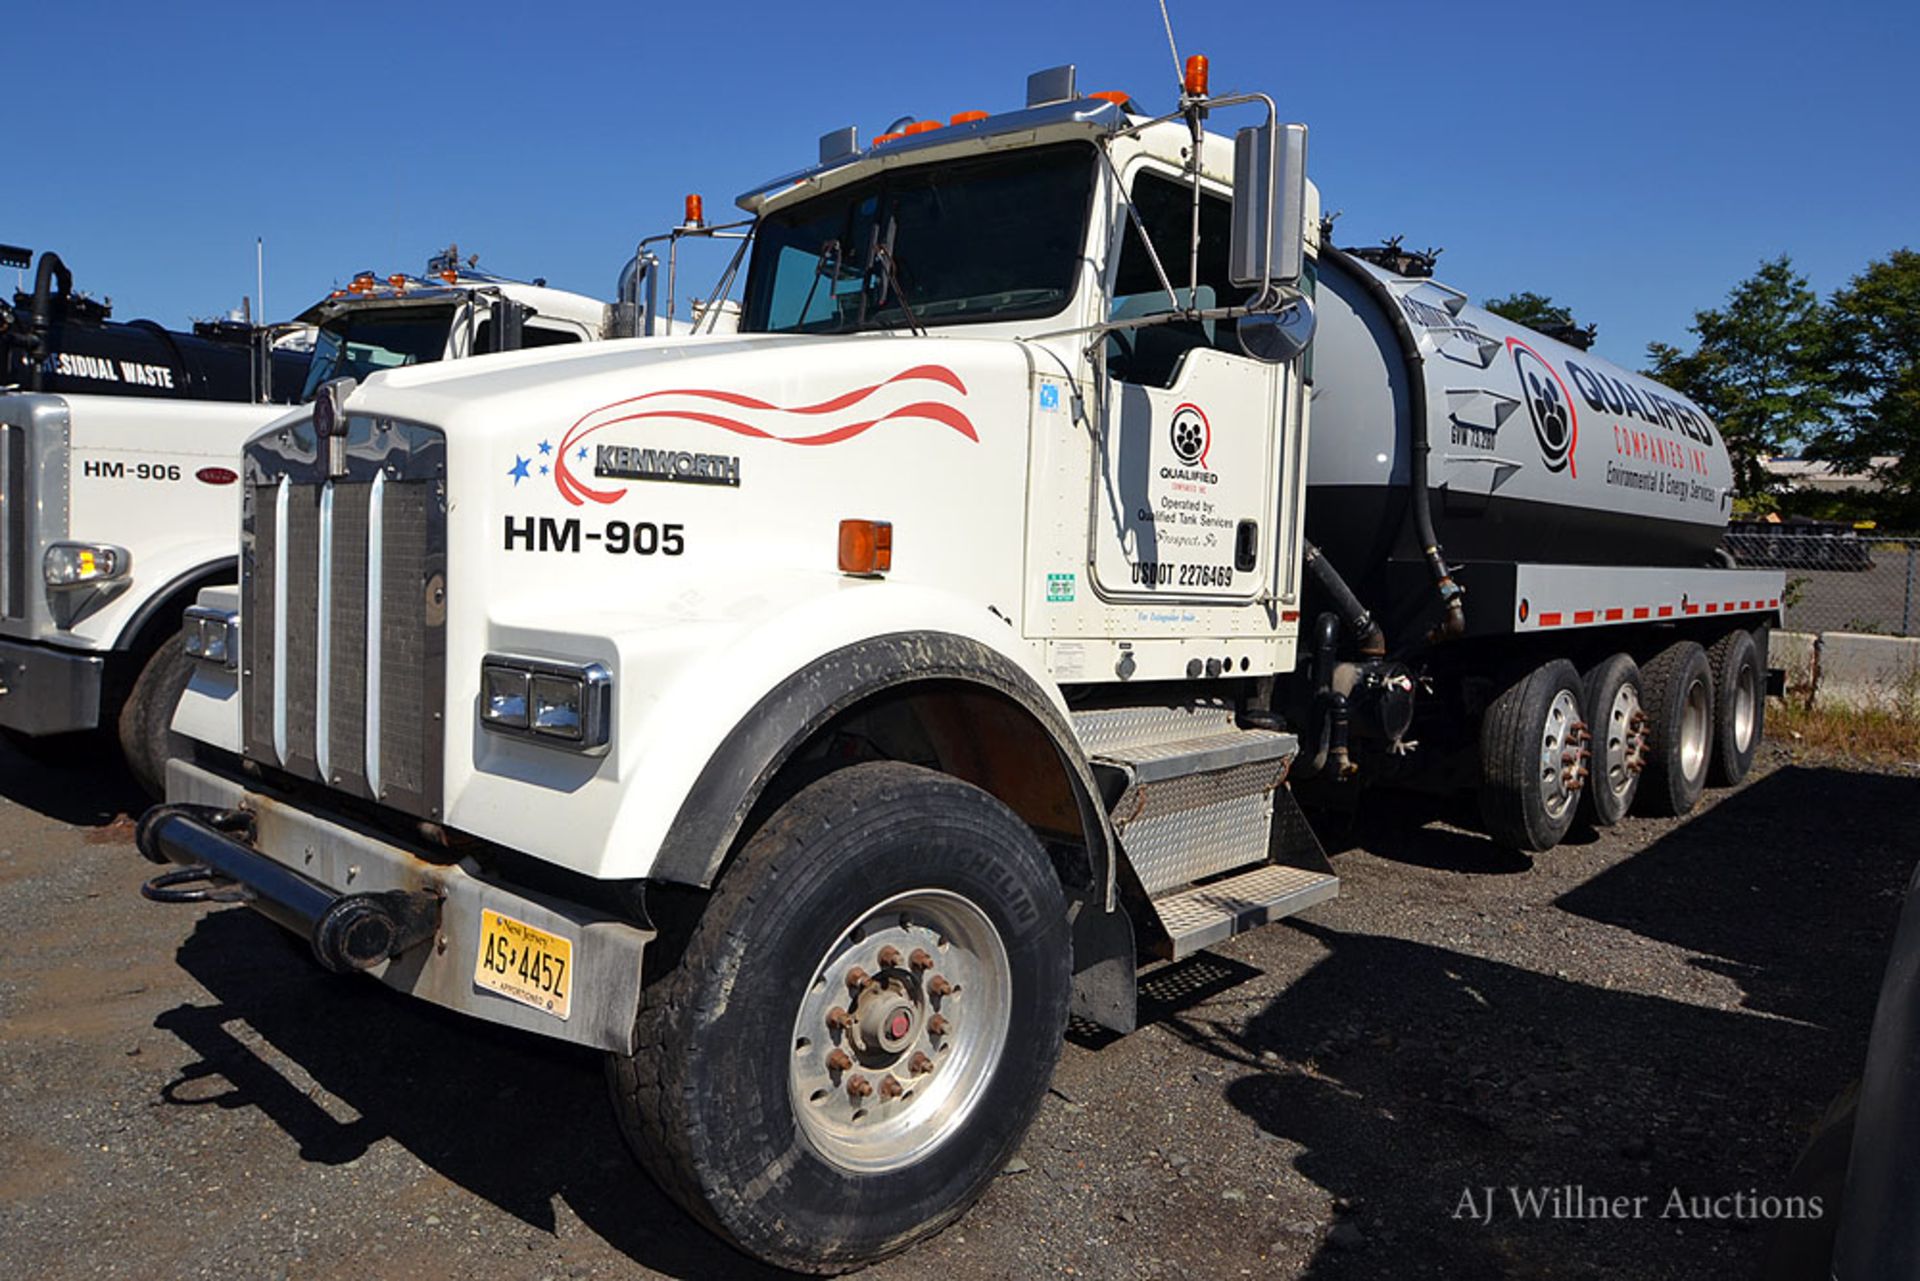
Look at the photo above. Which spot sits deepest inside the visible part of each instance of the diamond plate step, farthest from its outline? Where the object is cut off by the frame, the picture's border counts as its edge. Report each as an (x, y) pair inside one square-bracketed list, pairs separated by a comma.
[(1203, 915)]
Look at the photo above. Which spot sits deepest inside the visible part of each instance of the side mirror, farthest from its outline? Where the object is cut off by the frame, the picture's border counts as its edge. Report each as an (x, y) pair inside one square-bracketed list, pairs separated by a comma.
[(508, 317), (1269, 205), (1278, 336)]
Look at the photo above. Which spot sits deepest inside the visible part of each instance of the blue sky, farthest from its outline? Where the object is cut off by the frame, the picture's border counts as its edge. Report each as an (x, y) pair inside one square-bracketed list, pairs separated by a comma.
[(1632, 160)]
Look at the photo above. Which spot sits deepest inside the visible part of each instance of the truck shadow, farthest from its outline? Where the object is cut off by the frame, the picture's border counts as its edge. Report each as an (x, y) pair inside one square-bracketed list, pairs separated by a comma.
[(454, 1093), (77, 779), (1410, 1074)]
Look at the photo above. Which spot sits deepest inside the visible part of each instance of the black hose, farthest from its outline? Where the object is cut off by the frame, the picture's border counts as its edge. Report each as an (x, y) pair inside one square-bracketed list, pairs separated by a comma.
[(40, 319), (1418, 446), (1367, 635), (1326, 657)]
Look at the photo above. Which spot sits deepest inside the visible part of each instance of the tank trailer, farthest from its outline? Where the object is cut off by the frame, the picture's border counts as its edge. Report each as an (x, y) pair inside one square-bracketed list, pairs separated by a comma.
[(813, 716)]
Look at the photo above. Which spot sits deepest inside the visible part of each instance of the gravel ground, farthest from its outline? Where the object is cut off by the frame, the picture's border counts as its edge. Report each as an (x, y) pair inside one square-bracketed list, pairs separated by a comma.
[(1668, 1006)]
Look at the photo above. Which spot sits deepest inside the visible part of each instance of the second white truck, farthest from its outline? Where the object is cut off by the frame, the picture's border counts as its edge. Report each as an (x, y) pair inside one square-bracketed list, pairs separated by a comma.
[(119, 484)]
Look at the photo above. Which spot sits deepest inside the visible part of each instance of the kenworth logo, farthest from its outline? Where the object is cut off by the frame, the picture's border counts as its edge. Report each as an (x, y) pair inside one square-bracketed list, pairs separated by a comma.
[(630, 462)]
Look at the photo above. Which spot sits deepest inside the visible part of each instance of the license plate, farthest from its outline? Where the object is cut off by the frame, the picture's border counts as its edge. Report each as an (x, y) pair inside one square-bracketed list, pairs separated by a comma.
[(524, 964)]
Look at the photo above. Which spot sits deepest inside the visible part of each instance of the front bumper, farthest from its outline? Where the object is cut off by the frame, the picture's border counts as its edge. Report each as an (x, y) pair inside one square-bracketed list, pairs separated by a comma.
[(48, 691), (298, 864)]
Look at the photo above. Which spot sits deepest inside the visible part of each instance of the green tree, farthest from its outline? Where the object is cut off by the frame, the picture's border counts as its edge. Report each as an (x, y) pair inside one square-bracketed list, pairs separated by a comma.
[(1757, 367), (1535, 311), (1873, 353)]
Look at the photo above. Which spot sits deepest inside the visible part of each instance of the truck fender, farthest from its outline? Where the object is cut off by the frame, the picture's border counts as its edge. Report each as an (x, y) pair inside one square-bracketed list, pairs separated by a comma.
[(735, 777), (163, 606), (717, 808)]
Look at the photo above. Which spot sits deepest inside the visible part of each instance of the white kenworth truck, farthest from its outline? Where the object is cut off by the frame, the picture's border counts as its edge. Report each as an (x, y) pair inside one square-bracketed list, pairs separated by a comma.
[(117, 509), (812, 717)]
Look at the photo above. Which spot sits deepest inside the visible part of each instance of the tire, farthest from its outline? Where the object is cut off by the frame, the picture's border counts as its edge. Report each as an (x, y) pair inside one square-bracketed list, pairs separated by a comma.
[(1616, 711), (729, 1101), (1740, 707), (1676, 687), (1529, 788), (147, 739)]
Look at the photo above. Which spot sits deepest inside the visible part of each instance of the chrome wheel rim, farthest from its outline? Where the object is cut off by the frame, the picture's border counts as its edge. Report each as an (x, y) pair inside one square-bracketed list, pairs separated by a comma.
[(1746, 707), (1625, 753), (1562, 767), (901, 1027), (1696, 729)]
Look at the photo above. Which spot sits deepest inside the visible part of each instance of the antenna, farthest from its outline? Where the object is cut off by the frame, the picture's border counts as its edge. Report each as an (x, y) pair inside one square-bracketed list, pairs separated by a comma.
[(260, 274), (1179, 77)]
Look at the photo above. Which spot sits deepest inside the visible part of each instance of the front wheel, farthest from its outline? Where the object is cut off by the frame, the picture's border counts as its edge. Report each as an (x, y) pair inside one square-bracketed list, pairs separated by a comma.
[(862, 1026), (146, 718)]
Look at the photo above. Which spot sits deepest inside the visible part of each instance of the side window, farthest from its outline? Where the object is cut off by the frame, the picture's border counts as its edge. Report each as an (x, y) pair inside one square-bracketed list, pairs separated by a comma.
[(1152, 356), (532, 334)]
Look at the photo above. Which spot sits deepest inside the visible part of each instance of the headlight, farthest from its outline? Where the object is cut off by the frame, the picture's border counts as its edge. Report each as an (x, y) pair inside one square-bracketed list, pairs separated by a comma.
[(211, 635), (559, 703), (85, 564)]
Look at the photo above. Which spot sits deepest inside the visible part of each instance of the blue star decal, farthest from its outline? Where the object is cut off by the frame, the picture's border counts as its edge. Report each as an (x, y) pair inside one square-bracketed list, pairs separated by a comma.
[(546, 447), (543, 469), (519, 469), (582, 455)]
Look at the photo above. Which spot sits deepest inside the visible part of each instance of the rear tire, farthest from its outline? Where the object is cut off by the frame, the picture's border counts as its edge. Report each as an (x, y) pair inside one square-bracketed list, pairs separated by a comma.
[(1677, 687), (1616, 710), (732, 1101), (147, 739), (1740, 707), (1533, 759)]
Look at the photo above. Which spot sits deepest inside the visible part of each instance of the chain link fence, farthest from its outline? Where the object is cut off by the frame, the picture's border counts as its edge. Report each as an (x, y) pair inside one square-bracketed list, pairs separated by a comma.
[(1839, 580)]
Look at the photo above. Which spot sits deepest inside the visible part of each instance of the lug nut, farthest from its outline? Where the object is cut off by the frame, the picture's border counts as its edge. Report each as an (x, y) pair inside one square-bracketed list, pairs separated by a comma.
[(939, 986), (889, 957), (859, 1087), (838, 1019), (857, 977), (938, 1025), (890, 1088), (839, 1061), (920, 960), (919, 1064)]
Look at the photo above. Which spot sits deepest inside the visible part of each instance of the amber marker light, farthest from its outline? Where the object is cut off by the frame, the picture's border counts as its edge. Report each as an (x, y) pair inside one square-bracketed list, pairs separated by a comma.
[(1114, 96), (966, 117), (866, 546), (922, 126), (1195, 81)]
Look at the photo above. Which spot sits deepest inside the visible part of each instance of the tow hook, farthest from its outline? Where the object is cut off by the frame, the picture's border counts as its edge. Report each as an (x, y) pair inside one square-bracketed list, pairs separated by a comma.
[(218, 864)]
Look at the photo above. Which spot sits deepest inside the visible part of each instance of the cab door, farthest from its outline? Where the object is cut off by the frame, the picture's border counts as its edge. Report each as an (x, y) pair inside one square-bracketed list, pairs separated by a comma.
[(1185, 474)]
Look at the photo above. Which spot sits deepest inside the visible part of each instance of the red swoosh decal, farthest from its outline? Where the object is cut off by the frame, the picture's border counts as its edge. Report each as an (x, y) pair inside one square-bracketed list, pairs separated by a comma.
[(576, 492)]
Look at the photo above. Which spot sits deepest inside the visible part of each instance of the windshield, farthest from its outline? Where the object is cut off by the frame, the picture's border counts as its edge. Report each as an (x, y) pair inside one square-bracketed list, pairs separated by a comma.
[(993, 238), (365, 342)]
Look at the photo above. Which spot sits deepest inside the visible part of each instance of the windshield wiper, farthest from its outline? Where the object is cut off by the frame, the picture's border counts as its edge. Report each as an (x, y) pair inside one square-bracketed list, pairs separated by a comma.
[(880, 254)]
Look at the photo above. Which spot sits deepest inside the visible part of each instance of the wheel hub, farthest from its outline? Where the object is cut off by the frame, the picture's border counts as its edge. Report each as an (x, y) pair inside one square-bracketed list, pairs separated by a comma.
[(889, 1060)]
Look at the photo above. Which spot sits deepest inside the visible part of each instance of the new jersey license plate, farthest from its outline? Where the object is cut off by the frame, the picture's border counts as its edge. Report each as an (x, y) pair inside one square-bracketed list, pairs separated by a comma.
[(524, 964)]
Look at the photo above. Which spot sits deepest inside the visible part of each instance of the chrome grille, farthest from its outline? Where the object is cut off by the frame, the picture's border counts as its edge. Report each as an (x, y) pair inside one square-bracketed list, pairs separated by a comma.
[(15, 536), (343, 582)]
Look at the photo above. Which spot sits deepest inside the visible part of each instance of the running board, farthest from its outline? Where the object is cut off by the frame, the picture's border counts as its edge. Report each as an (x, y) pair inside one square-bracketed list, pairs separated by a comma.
[(1202, 915)]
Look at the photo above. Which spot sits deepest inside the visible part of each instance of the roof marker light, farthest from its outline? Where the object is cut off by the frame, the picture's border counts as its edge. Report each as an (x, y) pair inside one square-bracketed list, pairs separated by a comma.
[(923, 126), (1114, 96), (966, 117), (886, 138), (1195, 81)]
